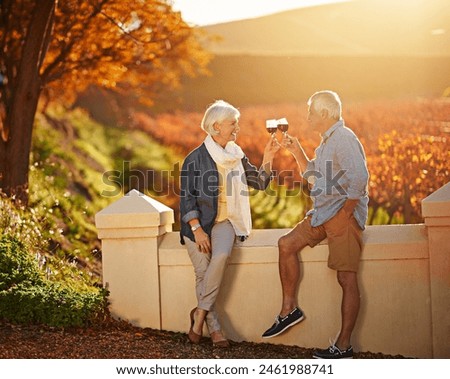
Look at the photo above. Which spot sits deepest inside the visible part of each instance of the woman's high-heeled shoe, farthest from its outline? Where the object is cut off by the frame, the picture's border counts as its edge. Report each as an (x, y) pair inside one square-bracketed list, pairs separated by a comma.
[(219, 340), (193, 337)]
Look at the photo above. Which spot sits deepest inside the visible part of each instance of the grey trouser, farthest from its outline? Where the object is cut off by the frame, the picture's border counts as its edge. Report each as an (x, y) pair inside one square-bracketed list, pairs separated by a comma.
[(209, 269)]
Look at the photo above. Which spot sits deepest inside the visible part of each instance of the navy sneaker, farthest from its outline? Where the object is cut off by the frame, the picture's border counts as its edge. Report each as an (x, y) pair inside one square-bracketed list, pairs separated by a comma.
[(283, 323), (333, 352)]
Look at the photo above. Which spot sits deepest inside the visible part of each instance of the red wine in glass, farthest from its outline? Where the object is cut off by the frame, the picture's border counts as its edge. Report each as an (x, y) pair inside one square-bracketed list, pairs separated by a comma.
[(283, 125), (271, 126)]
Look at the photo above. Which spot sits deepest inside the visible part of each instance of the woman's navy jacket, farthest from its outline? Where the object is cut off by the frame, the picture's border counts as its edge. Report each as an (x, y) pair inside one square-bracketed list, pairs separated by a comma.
[(200, 189)]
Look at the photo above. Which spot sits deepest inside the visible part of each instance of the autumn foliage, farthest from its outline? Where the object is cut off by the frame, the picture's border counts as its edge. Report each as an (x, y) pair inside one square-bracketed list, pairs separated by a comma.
[(54, 49), (407, 144), (130, 47)]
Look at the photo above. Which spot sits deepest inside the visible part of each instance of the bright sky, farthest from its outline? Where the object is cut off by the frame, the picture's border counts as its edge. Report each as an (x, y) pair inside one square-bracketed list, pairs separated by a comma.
[(207, 12)]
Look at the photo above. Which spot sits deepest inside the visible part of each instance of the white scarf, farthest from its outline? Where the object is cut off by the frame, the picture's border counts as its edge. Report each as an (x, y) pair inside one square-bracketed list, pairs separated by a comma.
[(238, 204)]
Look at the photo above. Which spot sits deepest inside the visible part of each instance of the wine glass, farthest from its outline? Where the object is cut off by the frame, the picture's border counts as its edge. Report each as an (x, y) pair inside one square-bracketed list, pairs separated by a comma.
[(283, 125), (271, 126)]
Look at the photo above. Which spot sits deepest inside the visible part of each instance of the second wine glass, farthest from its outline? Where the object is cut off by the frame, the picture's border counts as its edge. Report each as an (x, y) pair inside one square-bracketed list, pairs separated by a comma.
[(283, 125)]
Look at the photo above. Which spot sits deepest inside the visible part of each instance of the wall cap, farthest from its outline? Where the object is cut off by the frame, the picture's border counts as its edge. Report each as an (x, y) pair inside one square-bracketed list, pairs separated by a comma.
[(438, 203), (134, 210)]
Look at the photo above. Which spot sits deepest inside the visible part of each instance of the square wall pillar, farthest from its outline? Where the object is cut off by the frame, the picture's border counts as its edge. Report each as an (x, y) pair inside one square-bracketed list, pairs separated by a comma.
[(130, 230), (436, 211)]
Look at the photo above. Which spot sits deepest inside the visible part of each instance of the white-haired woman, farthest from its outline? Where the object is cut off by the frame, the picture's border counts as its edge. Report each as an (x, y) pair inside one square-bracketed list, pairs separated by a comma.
[(215, 209)]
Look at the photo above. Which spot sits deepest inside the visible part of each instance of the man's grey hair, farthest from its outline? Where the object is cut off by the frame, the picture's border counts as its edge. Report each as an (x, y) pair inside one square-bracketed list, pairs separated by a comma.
[(218, 111), (327, 100)]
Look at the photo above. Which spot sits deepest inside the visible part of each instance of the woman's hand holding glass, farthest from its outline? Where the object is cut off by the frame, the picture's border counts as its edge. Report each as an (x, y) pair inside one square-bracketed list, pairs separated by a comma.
[(271, 148)]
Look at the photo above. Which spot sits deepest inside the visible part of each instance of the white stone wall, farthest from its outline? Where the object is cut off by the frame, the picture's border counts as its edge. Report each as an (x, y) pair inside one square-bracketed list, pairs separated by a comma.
[(404, 281)]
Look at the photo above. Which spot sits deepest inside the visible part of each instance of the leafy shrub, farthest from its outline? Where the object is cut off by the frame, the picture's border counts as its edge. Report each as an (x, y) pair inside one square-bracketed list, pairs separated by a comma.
[(51, 304), (26, 296), (16, 266)]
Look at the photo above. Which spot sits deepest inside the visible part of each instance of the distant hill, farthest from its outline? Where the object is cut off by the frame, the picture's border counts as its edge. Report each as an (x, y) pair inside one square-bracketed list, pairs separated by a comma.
[(254, 80), (363, 49), (358, 27)]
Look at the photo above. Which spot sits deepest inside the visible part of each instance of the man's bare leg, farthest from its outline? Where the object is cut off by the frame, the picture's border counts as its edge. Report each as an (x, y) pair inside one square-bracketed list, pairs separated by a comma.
[(349, 306), (289, 270)]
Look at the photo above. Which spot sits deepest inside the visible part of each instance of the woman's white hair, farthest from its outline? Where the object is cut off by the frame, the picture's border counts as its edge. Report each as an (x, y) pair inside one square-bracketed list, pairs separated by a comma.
[(217, 112), (328, 101)]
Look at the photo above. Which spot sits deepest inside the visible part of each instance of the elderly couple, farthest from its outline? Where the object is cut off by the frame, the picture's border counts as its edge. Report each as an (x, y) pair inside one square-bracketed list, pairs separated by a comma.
[(215, 212)]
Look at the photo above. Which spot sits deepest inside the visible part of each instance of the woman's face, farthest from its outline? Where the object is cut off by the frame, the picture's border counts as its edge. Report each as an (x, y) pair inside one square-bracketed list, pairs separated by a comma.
[(228, 131)]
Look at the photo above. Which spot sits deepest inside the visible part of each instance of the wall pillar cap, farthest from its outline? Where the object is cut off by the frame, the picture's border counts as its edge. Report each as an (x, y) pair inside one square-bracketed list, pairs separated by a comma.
[(134, 210), (438, 203)]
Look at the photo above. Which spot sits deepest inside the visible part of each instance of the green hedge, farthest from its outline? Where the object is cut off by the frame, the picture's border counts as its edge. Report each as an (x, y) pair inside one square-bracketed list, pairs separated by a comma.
[(27, 297)]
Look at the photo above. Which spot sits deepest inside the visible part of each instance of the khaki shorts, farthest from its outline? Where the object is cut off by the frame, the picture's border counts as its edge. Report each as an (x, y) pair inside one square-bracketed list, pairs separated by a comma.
[(344, 239)]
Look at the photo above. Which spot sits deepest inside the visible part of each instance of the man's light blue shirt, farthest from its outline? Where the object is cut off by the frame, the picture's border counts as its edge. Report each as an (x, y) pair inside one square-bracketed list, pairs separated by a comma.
[(339, 172)]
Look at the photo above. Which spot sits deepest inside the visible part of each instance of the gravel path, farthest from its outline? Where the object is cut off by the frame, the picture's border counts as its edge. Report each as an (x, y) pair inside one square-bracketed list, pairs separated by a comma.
[(118, 340)]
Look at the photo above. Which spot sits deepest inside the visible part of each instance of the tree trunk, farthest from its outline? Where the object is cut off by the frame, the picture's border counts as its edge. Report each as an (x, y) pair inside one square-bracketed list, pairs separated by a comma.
[(15, 145)]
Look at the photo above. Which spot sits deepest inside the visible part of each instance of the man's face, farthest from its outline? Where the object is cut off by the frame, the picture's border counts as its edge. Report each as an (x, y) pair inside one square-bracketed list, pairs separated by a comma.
[(314, 118), (318, 122)]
